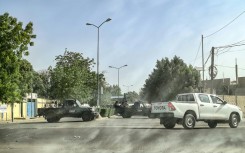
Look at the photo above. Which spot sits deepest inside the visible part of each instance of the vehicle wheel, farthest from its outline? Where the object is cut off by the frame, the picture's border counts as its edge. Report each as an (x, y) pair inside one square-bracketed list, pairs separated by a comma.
[(212, 124), (86, 116), (51, 117), (127, 114), (234, 120), (169, 124), (189, 121), (92, 117), (150, 115)]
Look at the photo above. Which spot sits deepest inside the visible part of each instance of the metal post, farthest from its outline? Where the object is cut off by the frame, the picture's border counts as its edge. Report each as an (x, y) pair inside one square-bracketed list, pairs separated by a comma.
[(212, 69), (98, 42), (236, 81), (118, 84), (203, 84), (118, 68), (98, 84)]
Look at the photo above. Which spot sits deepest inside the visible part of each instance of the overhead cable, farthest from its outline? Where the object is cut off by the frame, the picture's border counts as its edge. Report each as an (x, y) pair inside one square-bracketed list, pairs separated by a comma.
[(224, 26)]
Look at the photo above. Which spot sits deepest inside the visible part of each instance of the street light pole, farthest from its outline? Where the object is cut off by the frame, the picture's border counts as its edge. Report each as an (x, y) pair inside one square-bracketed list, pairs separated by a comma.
[(118, 68), (98, 48), (128, 86)]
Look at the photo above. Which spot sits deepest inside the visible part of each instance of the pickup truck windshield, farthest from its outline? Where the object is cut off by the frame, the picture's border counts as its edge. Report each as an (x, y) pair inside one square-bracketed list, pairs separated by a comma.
[(72, 102)]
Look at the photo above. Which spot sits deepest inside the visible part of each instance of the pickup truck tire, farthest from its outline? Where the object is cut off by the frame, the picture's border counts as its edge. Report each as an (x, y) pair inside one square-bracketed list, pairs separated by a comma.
[(212, 124), (127, 114), (169, 124), (86, 116), (189, 121), (234, 120), (52, 117)]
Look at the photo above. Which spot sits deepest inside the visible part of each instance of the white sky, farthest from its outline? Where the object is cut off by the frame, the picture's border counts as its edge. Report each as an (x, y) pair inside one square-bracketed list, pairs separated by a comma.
[(140, 33)]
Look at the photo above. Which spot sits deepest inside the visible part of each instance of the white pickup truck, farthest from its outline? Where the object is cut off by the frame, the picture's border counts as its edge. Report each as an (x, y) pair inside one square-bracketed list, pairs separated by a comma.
[(191, 107)]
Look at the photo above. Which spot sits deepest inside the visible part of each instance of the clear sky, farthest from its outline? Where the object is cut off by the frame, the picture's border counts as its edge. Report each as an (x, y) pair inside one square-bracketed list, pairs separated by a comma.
[(140, 33)]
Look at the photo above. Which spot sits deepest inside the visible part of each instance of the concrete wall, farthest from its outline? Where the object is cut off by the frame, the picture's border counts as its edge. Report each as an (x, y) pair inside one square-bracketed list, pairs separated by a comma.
[(17, 112), (17, 109), (239, 101)]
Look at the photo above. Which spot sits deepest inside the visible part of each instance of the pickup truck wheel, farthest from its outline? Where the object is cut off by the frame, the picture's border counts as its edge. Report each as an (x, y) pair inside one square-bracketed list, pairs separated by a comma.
[(212, 124), (169, 124), (51, 117), (127, 114), (189, 121), (234, 120), (86, 116)]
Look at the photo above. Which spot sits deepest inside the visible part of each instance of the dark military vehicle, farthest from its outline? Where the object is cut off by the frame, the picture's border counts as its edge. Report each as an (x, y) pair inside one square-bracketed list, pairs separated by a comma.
[(69, 108), (128, 110)]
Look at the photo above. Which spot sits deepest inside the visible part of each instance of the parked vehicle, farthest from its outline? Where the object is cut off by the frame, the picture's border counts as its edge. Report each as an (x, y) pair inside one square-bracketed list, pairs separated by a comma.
[(129, 110), (69, 108), (191, 107)]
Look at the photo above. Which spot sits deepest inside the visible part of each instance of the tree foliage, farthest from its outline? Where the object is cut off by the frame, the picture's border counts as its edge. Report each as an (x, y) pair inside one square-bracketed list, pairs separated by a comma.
[(41, 83), (169, 78), (26, 77), (14, 42), (132, 97), (72, 77)]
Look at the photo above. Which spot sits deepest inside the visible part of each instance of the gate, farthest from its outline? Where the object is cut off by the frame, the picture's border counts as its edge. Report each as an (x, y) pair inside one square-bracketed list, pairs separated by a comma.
[(30, 109)]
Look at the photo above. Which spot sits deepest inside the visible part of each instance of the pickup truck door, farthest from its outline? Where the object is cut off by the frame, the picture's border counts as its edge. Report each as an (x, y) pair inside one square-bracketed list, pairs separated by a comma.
[(220, 109), (206, 109), (72, 108)]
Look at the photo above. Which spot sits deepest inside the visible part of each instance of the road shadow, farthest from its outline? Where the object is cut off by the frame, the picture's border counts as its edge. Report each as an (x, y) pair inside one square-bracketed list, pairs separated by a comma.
[(174, 129), (119, 117), (60, 122)]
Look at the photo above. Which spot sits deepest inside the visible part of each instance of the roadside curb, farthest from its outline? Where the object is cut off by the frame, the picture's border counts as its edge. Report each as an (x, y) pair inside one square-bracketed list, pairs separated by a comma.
[(22, 120)]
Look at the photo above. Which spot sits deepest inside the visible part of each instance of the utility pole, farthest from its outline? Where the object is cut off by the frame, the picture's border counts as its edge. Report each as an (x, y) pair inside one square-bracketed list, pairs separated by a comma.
[(236, 67), (236, 73), (203, 89), (212, 69)]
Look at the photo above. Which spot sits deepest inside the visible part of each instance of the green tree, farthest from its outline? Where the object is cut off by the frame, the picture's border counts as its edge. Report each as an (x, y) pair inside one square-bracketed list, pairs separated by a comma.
[(170, 78), (132, 96), (14, 42), (72, 77), (26, 77), (41, 83)]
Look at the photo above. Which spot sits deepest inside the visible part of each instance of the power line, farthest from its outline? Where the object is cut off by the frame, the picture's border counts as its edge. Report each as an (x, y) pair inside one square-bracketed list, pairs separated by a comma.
[(225, 25), (230, 67), (197, 52)]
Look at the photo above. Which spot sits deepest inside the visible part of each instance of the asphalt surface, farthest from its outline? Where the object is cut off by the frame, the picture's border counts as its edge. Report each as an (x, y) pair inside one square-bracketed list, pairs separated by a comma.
[(118, 135)]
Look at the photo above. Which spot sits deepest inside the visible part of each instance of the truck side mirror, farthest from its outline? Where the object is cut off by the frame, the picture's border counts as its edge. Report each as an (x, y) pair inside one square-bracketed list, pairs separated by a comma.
[(225, 102)]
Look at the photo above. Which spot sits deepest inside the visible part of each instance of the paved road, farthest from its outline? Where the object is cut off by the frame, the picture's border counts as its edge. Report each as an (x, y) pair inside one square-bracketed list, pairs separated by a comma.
[(117, 135)]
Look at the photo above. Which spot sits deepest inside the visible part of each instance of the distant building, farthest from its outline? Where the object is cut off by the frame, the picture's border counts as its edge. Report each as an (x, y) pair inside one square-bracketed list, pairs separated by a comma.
[(226, 86)]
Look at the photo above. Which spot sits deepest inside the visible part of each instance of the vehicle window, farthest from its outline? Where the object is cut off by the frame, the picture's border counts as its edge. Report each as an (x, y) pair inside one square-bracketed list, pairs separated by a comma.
[(180, 98), (70, 103), (204, 98), (188, 97), (216, 100)]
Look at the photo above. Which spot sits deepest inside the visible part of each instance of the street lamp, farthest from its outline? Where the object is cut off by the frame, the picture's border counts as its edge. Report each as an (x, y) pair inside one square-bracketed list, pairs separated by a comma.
[(128, 86), (118, 68), (98, 48)]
